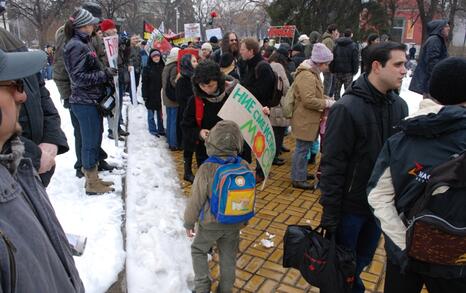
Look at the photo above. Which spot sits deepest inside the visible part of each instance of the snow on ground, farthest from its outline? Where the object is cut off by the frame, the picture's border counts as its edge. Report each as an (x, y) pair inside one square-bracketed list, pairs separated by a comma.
[(158, 251)]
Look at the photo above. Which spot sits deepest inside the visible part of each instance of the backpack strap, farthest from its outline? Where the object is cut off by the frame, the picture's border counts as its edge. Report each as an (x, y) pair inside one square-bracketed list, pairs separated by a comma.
[(199, 108), (228, 160)]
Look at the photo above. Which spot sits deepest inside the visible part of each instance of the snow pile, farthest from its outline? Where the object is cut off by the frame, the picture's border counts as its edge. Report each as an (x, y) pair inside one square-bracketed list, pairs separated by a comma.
[(98, 218), (158, 250)]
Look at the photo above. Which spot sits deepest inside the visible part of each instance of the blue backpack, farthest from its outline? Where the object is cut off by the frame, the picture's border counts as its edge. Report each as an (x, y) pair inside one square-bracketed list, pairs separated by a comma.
[(233, 191)]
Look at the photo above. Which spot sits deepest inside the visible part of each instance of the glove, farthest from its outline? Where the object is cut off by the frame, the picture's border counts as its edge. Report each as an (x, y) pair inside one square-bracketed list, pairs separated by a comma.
[(329, 221), (111, 72)]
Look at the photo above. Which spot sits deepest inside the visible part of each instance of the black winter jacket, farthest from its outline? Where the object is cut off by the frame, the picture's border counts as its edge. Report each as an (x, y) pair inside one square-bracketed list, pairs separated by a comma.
[(87, 78), (345, 56), (358, 125), (258, 79), (34, 252), (425, 141), (152, 84), (433, 51)]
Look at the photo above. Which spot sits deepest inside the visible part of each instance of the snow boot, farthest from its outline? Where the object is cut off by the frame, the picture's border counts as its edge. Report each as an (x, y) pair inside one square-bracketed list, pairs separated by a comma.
[(94, 185), (106, 183), (188, 172)]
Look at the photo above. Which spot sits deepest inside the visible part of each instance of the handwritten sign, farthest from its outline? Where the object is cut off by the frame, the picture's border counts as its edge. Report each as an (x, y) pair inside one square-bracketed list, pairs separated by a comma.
[(192, 30), (244, 109), (215, 32), (111, 48)]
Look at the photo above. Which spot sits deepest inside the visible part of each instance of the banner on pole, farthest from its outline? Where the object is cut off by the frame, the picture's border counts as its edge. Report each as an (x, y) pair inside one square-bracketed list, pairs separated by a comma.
[(192, 30), (111, 48), (286, 31), (244, 109), (158, 41)]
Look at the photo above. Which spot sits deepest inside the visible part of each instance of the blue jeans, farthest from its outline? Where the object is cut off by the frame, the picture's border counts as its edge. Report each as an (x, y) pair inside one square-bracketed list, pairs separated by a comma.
[(299, 160), (155, 128), (361, 234), (90, 126), (172, 113)]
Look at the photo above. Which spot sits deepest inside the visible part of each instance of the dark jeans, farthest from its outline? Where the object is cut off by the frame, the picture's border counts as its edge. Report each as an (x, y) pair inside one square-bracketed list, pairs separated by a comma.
[(410, 282), (279, 133), (78, 143), (155, 128), (172, 113), (90, 125), (329, 84), (361, 234)]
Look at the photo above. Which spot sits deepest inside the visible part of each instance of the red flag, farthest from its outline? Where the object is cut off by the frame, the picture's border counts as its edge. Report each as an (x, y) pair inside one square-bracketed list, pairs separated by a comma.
[(148, 28)]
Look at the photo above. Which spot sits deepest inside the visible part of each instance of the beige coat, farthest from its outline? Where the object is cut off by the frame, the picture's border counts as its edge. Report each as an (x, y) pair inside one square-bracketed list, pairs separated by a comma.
[(309, 103)]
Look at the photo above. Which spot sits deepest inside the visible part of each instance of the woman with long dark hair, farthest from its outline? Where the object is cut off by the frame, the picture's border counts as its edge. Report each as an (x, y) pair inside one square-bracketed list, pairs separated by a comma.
[(184, 92), (87, 89), (152, 91)]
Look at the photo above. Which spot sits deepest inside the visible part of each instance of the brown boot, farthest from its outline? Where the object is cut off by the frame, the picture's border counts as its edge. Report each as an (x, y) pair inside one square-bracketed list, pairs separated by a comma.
[(94, 185)]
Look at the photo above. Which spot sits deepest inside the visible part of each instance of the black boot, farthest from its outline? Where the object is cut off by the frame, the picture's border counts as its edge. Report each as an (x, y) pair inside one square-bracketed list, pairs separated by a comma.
[(312, 159), (188, 172), (104, 166), (302, 185)]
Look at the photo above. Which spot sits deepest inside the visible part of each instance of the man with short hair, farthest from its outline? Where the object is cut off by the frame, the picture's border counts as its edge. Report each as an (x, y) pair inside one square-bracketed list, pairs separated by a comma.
[(433, 51), (345, 63), (328, 39), (36, 256), (135, 61), (256, 76), (357, 127), (427, 139)]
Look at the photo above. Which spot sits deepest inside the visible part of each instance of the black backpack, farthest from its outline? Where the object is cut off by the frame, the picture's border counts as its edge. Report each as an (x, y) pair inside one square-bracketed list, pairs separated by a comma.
[(321, 262), (277, 85), (437, 221), (170, 91)]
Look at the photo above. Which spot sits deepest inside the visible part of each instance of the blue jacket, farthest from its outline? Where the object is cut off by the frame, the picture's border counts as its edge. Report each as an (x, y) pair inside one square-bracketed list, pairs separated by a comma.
[(402, 171), (433, 51), (87, 79), (34, 253)]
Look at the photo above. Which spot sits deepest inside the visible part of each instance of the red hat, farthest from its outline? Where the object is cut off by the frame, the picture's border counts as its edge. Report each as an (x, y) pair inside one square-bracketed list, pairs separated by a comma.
[(107, 24)]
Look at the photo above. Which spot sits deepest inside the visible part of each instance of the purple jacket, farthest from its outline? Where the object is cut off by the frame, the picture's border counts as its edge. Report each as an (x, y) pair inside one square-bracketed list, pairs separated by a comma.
[(87, 79)]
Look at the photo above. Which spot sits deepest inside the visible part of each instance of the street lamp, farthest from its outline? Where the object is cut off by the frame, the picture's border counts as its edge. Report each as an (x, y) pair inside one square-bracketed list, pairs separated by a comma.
[(177, 17)]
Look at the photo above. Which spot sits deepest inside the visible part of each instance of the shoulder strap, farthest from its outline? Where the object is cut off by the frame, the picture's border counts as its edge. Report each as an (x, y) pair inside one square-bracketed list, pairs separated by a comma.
[(199, 107), (228, 160)]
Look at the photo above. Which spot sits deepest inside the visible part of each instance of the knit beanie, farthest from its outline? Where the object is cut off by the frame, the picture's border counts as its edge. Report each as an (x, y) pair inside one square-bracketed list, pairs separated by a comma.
[(284, 49), (83, 18), (207, 46), (321, 54), (107, 24), (173, 56), (447, 82), (93, 8)]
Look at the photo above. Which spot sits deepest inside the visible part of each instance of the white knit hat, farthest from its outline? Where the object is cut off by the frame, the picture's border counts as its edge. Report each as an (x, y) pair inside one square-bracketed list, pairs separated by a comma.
[(207, 46)]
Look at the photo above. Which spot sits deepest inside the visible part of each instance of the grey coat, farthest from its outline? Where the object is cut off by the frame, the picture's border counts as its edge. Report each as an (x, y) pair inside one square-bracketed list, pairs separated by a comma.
[(169, 75), (34, 252)]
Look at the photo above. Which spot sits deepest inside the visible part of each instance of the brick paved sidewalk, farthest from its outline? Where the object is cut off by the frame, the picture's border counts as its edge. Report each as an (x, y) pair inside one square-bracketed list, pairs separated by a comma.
[(259, 269)]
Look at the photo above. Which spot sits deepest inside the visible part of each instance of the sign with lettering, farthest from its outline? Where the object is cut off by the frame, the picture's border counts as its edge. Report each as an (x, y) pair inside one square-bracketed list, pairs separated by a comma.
[(111, 48), (286, 31), (192, 30), (244, 109)]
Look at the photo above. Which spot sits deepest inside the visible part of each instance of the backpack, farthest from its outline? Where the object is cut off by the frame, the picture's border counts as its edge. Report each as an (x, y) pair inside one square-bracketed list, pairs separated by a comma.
[(436, 231), (288, 102), (277, 86), (170, 90), (233, 191)]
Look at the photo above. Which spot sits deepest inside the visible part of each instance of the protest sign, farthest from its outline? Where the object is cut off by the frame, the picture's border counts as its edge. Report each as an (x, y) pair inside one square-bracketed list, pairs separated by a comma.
[(158, 41), (134, 89), (111, 48), (192, 30), (244, 109), (215, 32)]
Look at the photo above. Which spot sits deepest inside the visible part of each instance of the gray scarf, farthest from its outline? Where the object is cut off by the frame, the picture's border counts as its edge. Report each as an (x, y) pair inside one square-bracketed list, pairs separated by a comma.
[(11, 155)]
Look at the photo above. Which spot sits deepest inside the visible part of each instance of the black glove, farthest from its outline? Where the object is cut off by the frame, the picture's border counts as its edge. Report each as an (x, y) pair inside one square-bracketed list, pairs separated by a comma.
[(329, 220), (111, 72)]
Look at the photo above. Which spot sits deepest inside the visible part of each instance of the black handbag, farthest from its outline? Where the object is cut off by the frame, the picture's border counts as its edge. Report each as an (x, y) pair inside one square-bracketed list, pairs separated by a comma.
[(108, 102), (322, 263)]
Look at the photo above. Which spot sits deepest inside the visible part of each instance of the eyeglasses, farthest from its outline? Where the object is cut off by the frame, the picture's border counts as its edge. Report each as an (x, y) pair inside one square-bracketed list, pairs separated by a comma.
[(17, 84)]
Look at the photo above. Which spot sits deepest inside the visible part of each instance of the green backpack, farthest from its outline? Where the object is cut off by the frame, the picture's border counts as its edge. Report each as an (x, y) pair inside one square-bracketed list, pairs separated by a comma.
[(288, 102)]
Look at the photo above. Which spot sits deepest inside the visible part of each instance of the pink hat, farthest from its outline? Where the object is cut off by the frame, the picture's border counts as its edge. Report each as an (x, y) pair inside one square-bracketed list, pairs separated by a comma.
[(321, 54)]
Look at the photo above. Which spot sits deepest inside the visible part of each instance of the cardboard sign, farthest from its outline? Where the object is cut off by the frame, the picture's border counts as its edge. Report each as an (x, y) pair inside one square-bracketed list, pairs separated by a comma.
[(181, 41), (215, 32), (134, 89), (244, 109), (192, 30), (286, 31), (111, 48)]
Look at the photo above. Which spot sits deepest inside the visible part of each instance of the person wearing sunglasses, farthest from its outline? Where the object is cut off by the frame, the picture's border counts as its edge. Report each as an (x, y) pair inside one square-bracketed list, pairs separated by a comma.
[(32, 260), (42, 135)]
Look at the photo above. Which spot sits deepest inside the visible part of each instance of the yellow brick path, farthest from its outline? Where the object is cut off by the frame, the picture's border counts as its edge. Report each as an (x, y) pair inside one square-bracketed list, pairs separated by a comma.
[(259, 269)]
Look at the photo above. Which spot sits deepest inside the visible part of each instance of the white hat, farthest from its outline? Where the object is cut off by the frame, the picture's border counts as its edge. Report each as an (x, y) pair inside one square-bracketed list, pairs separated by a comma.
[(207, 46), (303, 37)]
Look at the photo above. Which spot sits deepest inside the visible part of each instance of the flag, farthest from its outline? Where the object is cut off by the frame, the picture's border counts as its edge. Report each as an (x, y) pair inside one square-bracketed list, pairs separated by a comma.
[(162, 28), (158, 41), (147, 30)]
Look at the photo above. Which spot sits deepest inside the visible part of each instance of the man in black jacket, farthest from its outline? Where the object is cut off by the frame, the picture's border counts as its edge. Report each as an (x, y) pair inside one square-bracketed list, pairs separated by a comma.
[(345, 62), (433, 51), (429, 138), (358, 125), (42, 136), (256, 76)]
